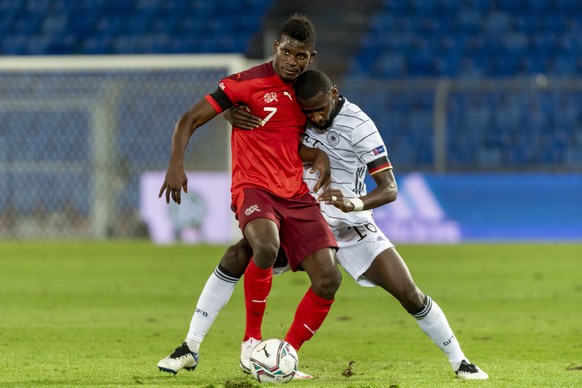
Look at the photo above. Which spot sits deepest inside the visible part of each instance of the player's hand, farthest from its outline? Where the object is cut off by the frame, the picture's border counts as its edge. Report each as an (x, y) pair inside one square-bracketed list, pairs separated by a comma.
[(336, 198), (241, 117), (321, 164), (175, 181)]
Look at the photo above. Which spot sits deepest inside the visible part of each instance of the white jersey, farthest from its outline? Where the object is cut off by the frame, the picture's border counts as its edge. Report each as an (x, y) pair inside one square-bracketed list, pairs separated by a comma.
[(355, 147)]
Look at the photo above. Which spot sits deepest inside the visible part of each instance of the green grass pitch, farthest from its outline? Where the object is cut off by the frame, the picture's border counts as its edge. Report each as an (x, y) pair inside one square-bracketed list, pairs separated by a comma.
[(103, 314)]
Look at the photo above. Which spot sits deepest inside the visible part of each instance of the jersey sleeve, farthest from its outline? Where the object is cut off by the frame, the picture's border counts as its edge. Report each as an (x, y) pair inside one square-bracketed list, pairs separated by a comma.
[(230, 92), (370, 147), (219, 100)]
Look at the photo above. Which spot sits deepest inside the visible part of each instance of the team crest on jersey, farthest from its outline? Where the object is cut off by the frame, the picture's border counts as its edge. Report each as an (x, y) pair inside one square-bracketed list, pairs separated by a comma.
[(333, 138), (270, 97)]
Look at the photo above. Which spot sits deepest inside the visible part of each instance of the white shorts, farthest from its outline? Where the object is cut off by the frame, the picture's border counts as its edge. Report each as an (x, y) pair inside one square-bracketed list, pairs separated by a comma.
[(357, 255), (358, 247)]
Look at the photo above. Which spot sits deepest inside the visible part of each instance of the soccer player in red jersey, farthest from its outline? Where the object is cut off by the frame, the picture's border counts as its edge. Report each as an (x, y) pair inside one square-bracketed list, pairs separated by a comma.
[(271, 202)]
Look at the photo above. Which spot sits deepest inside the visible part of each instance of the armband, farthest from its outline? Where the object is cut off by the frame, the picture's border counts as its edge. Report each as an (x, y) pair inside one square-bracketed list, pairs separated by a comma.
[(358, 204)]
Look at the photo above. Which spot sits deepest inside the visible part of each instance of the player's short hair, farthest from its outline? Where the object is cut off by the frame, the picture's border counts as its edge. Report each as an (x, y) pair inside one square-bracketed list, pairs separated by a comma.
[(300, 28), (310, 83)]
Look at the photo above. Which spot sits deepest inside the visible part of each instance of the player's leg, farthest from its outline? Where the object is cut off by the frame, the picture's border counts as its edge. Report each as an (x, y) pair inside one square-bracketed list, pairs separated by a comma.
[(215, 294), (389, 271), (260, 225), (261, 229), (263, 236), (313, 309), (257, 286), (309, 245)]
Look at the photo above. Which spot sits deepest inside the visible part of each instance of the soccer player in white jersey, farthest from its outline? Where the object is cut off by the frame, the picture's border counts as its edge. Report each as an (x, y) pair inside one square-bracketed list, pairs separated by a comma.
[(355, 146)]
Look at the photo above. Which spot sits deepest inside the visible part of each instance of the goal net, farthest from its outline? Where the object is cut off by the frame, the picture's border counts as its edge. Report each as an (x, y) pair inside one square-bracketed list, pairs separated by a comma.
[(78, 133)]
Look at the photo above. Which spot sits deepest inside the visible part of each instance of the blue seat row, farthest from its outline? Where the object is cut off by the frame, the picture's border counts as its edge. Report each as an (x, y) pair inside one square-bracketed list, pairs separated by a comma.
[(33, 27), (478, 38), (488, 130)]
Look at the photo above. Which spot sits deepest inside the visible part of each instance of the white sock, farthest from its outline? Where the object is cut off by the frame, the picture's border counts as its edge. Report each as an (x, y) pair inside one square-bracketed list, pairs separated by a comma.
[(216, 293), (433, 322)]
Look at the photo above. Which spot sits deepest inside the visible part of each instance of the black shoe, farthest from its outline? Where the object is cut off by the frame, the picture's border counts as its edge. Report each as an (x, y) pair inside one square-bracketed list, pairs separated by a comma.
[(468, 371)]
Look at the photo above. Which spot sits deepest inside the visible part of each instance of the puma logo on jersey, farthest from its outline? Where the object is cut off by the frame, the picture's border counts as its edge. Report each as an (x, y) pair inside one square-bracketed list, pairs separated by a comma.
[(270, 97), (288, 95), (251, 209)]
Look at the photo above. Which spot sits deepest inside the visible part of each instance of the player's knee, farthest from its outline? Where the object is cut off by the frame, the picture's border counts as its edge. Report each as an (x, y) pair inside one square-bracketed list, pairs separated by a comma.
[(236, 258), (265, 255), (327, 284), (412, 300)]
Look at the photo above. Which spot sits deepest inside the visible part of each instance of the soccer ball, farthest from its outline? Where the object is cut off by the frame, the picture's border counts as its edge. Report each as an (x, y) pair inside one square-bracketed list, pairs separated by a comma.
[(273, 361)]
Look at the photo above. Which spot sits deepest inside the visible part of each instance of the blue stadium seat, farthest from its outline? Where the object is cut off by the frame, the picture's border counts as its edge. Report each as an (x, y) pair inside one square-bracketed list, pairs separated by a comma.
[(574, 155), (529, 32), (390, 66), (123, 26)]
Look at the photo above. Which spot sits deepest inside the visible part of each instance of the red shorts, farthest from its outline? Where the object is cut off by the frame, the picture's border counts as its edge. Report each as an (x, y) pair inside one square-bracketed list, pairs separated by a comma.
[(302, 229)]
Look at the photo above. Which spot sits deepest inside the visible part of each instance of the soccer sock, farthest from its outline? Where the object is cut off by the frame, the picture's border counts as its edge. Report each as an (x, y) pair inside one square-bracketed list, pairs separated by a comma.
[(257, 285), (310, 314), (216, 293), (433, 322)]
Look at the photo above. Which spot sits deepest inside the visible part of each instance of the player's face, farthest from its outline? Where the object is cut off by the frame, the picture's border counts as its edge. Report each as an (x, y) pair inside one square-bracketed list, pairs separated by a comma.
[(319, 109), (291, 57)]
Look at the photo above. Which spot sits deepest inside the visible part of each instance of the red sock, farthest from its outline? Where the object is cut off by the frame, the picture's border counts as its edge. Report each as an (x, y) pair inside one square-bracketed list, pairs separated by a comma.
[(257, 285), (309, 316)]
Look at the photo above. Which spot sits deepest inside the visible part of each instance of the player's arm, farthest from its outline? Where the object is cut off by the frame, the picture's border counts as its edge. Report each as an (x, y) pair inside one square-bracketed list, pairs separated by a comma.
[(386, 191), (319, 161), (176, 179)]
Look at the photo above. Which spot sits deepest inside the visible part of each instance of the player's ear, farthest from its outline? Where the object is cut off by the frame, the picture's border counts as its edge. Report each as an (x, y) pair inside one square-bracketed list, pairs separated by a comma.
[(334, 92), (312, 58), (275, 46)]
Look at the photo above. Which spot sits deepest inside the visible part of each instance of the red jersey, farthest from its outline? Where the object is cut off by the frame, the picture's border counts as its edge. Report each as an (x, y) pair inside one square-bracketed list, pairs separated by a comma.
[(266, 157)]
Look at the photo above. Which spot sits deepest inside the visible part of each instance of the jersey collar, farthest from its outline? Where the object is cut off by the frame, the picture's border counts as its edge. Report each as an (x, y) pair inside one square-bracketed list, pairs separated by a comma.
[(338, 106)]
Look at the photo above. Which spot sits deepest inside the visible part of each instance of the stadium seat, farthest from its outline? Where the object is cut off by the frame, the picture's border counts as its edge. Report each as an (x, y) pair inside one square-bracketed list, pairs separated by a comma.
[(121, 27)]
